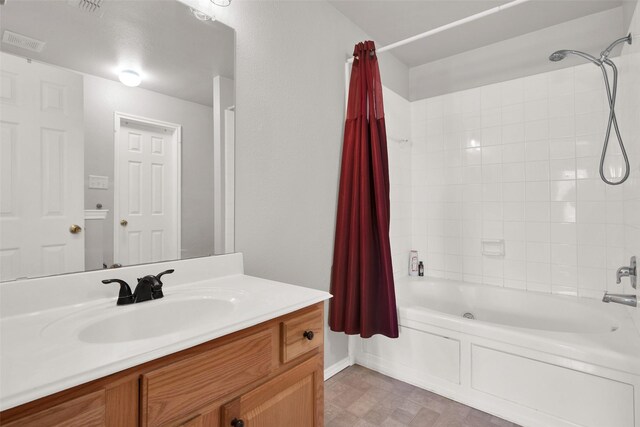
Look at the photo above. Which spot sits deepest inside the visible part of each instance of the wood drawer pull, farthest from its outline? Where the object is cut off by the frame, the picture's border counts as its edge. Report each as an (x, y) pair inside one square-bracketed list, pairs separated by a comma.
[(308, 335)]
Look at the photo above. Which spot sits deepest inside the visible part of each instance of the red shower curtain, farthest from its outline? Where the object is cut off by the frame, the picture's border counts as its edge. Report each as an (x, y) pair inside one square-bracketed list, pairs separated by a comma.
[(362, 285)]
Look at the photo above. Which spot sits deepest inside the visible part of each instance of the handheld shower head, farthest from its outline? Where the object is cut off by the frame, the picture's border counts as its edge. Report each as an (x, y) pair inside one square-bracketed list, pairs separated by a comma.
[(559, 55)]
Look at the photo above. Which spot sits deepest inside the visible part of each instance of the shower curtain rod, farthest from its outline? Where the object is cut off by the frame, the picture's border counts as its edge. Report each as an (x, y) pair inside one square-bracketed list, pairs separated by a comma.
[(448, 26)]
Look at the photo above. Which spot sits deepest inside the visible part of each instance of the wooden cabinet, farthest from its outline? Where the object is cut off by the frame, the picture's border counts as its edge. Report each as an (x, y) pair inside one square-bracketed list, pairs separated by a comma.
[(290, 399), (181, 387), (84, 411), (268, 375), (194, 422)]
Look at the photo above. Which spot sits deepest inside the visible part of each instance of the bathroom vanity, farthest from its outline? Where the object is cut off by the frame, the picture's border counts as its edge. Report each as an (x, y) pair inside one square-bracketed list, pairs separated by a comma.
[(258, 361), (269, 374)]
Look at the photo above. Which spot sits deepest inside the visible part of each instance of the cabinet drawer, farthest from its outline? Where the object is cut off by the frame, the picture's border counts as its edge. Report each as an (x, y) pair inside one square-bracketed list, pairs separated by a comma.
[(301, 334), (179, 388), (85, 411)]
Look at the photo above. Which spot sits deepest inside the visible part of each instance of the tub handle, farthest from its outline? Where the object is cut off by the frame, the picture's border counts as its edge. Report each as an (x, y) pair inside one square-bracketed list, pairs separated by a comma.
[(630, 272)]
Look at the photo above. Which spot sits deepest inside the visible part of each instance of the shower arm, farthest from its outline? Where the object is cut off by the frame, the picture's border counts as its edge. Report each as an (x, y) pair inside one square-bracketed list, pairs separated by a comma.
[(605, 53)]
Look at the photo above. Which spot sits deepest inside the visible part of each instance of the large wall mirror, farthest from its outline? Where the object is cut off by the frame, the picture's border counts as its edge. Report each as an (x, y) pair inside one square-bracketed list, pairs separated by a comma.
[(117, 142)]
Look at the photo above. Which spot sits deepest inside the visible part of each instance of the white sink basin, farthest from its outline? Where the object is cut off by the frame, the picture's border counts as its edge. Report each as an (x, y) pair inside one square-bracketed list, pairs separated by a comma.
[(149, 320), (174, 314)]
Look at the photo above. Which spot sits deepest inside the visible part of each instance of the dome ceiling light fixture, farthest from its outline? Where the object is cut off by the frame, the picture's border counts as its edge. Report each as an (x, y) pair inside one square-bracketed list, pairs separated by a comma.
[(201, 16), (223, 3), (130, 78)]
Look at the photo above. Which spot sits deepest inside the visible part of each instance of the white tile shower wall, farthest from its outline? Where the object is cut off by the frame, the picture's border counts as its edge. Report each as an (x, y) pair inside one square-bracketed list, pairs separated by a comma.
[(397, 119), (629, 114), (518, 161)]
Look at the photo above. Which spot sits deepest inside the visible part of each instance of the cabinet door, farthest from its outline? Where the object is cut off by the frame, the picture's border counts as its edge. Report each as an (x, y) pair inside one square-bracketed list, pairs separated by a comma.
[(194, 422), (85, 411), (208, 416), (179, 389), (292, 399)]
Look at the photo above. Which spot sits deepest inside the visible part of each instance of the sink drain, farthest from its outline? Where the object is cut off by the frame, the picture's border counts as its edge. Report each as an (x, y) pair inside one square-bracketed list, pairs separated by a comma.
[(469, 316)]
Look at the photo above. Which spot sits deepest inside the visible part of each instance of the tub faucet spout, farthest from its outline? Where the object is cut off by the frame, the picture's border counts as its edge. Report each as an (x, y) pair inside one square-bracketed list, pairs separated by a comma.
[(630, 300)]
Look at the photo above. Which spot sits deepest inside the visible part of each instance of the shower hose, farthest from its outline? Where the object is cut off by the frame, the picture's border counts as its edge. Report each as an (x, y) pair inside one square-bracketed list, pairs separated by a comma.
[(613, 122)]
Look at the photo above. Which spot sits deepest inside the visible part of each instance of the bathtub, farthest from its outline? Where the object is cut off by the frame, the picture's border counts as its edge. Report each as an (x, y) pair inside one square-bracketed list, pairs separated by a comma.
[(531, 358)]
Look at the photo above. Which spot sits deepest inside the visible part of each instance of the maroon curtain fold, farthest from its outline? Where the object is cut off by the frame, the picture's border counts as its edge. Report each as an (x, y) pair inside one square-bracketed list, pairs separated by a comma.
[(362, 285)]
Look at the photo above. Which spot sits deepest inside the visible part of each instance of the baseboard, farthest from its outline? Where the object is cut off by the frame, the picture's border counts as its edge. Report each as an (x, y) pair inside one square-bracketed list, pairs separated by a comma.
[(336, 367)]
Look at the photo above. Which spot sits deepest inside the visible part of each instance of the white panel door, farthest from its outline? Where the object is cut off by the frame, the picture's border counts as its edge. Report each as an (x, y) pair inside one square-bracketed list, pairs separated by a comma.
[(41, 167), (229, 179), (146, 216)]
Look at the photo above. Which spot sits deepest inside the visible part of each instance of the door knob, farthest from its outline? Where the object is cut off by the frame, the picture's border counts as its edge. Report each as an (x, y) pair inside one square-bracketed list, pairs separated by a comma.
[(75, 229), (124, 222)]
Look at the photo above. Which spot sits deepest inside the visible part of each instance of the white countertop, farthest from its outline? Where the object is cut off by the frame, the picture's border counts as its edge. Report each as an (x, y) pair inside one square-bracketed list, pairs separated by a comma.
[(41, 352)]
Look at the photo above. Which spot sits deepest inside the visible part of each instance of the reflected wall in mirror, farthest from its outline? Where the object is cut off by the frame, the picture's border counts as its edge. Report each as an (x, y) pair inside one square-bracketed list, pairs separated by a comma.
[(116, 135)]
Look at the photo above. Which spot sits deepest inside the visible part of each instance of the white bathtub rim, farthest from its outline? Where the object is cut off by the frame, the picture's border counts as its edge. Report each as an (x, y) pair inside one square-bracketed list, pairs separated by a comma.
[(618, 350), (611, 310)]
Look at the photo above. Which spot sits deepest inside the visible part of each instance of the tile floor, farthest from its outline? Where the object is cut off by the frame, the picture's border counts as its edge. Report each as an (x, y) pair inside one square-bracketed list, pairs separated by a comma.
[(359, 397)]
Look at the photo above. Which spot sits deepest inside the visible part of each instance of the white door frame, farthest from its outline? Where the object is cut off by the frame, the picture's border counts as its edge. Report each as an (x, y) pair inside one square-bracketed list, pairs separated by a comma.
[(176, 129)]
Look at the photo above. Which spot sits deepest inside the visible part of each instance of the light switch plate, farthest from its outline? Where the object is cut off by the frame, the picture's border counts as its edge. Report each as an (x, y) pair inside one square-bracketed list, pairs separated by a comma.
[(99, 182)]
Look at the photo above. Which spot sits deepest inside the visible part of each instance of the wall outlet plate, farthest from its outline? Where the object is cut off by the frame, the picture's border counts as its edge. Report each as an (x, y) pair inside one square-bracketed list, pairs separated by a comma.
[(99, 182)]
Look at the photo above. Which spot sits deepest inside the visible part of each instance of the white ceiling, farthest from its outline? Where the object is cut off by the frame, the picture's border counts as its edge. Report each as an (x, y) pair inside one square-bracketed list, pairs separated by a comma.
[(510, 44), (176, 54)]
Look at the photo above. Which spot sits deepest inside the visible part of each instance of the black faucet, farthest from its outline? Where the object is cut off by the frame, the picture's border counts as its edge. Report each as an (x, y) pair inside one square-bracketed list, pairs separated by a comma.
[(148, 288)]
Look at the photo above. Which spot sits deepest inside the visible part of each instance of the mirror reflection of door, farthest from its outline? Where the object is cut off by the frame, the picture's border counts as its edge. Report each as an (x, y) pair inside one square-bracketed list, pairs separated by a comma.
[(147, 190), (66, 183), (42, 159), (229, 184)]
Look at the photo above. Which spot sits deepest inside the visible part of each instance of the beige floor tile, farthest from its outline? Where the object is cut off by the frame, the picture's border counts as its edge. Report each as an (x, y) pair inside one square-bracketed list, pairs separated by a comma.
[(361, 397), (402, 416), (377, 415), (425, 418), (390, 422), (343, 419), (364, 404)]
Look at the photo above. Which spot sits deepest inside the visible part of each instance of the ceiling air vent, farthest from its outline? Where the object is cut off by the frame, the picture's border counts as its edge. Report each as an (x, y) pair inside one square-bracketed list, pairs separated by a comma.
[(87, 5), (23, 42)]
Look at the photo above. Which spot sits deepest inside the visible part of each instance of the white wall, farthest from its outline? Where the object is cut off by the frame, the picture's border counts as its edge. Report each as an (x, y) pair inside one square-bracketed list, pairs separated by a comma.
[(290, 109), (398, 121), (518, 161), (101, 98)]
